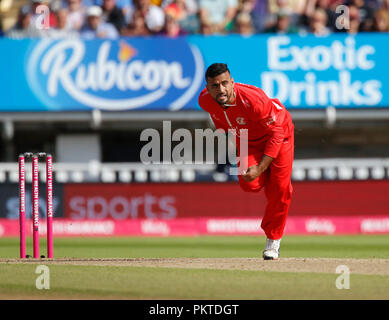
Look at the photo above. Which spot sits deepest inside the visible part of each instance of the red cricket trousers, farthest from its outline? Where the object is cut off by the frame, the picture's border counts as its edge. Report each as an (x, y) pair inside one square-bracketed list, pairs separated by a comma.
[(276, 181)]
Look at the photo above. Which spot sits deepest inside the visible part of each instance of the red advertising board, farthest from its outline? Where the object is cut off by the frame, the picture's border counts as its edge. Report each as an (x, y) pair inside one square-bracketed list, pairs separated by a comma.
[(159, 201), (340, 198), (201, 226), (180, 200), (175, 209)]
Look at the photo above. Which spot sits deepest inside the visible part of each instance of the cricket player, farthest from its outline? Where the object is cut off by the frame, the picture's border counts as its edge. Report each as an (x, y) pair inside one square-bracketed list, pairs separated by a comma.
[(270, 144)]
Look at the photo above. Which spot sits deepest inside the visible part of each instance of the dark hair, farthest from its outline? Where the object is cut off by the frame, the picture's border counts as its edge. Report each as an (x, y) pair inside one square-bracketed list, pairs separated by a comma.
[(216, 69)]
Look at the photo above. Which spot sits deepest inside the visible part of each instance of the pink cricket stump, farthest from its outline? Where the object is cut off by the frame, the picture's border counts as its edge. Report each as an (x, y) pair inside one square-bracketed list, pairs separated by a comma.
[(35, 205), (49, 186), (22, 206)]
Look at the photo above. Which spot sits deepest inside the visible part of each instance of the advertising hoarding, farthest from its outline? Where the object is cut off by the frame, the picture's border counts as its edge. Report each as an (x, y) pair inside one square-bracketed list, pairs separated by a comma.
[(304, 72)]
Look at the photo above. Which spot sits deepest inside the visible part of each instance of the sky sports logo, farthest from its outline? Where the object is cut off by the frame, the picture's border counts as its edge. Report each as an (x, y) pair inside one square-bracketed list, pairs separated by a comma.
[(115, 75)]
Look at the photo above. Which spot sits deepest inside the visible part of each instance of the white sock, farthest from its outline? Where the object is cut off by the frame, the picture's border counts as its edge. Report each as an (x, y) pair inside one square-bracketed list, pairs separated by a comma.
[(272, 244)]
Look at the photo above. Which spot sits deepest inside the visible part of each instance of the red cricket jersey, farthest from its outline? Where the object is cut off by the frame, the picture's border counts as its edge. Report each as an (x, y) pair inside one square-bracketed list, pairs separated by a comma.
[(266, 120)]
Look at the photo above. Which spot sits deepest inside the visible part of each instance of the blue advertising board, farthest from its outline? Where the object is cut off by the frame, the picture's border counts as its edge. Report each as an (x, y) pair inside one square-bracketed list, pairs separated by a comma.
[(168, 74), (309, 72), (69, 74)]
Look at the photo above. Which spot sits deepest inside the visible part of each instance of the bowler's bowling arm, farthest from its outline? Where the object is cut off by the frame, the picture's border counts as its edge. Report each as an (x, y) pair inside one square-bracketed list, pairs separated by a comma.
[(265, 163)]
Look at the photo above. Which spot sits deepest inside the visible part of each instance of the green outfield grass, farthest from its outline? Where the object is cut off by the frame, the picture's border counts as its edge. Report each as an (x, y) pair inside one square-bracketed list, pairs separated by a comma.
[(125, 282), (356, 246), (81, 282)]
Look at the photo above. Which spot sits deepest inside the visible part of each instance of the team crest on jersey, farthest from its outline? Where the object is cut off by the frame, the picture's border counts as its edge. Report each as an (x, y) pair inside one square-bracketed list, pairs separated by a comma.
[(241, 121)]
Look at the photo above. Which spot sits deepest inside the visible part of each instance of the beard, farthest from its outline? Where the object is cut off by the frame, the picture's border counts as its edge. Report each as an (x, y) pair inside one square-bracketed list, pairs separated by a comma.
[(224, 99), (228, 101)]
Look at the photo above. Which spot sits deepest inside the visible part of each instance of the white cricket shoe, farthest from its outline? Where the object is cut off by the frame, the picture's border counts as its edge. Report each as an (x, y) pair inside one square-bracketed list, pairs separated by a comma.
[(272, 249)]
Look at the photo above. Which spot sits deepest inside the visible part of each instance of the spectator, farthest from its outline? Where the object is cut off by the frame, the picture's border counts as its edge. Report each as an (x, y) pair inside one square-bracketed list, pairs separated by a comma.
[(336, 3), (354, 20), (178, 17), (41, 18), (331, 14), (76, 14), (137, 27), (381, 21), (220, 13), (112, 14), (154, 15), (318, 23), (294, 6), (244, 24), (56, 5), (373, 4), (365, 14), (258, 11), (124, 5), (185, 7), (286, 7), (95, 27), (299, 6), (283, 24), (384, 5), (62, 28), (23, 27), (185, 12), (206, 28), (171, 28)]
